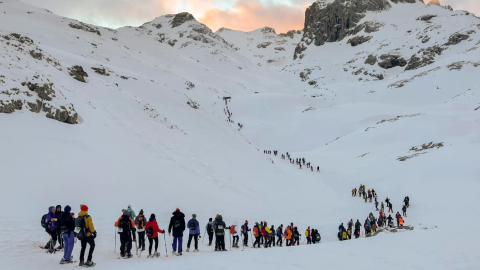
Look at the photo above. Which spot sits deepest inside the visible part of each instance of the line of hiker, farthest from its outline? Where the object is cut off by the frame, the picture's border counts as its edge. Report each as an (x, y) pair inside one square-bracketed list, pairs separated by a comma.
[(297, 161), (64, 227)]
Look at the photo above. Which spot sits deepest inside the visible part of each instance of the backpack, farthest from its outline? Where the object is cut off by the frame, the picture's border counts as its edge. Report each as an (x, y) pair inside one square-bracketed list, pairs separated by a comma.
[(150, 231), (124, 224), (244, 229), (209, 227), (141, 222), (80, 228), (193, 226), (232, 229), (42, 221)]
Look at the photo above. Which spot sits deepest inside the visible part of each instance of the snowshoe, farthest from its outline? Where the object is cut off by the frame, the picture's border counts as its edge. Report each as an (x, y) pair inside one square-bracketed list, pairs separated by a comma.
[(196, 250), (89, 264), (62, 261), (149, 255), (174, 252), (179, 254), (188, 249), (128, 256)]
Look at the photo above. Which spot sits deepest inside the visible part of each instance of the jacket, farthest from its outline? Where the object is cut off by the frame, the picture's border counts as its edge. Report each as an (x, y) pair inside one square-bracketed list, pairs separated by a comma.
[(264, 232), (153, 223), (132, 224), (66, 223), (279, 231), (130, 213), (50, 222), (139, 219), (307, 233), (211, 227), (245, 228), (255, 231), (88, 223), (268, 231), (197, 226), (287, 233), (177, 224)]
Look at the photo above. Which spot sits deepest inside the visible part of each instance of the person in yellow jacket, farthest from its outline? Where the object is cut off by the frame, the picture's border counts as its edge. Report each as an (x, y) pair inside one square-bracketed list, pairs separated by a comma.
[(308, 236), (91, 234)]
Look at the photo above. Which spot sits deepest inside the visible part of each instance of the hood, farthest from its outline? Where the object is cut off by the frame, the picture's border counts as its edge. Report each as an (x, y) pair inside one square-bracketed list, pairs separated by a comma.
[(50, 209), (235, 223), (178, 214), (82, 213)]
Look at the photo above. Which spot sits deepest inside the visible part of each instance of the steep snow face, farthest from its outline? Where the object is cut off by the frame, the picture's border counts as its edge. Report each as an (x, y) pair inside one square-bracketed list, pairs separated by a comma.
[(264, 46), (151, 111)]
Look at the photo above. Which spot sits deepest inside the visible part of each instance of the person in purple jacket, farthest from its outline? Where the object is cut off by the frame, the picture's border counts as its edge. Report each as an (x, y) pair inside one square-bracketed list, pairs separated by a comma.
[(51, 228), (194, 232)]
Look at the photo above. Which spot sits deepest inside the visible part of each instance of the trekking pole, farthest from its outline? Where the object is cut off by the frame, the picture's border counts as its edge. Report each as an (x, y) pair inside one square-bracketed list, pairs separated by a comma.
[(251, 237), (115, 250), (230, 240), (164, 240), (204, 236)]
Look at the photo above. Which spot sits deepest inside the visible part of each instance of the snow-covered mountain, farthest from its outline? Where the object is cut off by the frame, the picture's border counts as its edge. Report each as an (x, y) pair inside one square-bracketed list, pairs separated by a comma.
[(376, 92)]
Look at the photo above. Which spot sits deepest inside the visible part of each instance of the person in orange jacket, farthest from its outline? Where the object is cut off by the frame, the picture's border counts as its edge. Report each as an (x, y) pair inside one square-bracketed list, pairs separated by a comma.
[(125, 225), (288, 236), (257, 235)]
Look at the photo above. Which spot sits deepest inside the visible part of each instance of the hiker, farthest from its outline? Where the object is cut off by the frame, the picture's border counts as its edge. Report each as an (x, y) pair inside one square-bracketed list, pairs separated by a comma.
[(288, 236), (382, 207), (279, 235), (390, 207), (209, 229), (308, 236), (177, 225), (296, 236), (58, 212), (131, 213), (401, 221), (234, 231), (51, 228), (194, 232), (390, 223), (404, 209), (256, 234), (318, 168), (272, 236), (66, 226), (140, 223), (317, 237), (245, 231), (89, 236), (219, 226), (376, 206), (152, 230), (125, 225), (267, 235), (398, 216), (341, 228)]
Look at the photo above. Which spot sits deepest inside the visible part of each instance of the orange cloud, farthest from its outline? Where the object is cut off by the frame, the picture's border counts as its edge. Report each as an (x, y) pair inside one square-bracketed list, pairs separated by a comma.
[(248, 15)]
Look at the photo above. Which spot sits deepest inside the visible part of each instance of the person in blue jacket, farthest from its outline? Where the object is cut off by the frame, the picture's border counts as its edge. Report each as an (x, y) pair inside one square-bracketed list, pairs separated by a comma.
[(51, 228), (194, 232)]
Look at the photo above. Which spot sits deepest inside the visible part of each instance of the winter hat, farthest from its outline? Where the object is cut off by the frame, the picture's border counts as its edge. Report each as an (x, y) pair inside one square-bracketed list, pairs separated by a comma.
[(265, 223), (152, 216), (129, 206), (210, 219), (141, 212), (177, 210), (256, 223), (194, 216), (84, 208), (68, 209), (246, 221), (58, 206)]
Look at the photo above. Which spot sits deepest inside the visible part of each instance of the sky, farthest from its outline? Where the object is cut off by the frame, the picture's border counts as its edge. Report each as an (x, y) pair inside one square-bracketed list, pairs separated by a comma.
[(245, 15)]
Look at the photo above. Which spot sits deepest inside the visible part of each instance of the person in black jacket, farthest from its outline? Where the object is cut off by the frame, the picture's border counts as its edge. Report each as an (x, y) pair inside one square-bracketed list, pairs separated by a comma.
[(219, 226), (58, 213), (177, 224), (66, 226)]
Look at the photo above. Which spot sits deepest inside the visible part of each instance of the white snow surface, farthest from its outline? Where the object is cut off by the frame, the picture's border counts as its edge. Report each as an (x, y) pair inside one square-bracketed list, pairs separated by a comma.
[(138, 142)]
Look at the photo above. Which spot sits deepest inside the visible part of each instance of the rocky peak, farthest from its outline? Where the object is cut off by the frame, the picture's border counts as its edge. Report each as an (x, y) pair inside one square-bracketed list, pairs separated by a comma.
[(181, 18), (331, 21)]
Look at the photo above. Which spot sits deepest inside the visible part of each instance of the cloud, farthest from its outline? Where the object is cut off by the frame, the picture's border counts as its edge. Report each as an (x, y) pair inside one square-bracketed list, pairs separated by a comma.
[(248, 15), (110, 13)]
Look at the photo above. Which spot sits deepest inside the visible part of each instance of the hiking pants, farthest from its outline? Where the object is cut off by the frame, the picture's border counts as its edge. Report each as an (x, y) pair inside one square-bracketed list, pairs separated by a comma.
[(91, 243), (404, 213), (279, 241), (257, 241), (194, 236), (141, 240), (398, 222), (235, 240), (245, 239), (150, 241), (210, 237), (178, 240), (272, 240), (125, 244), (60, 238), (69, 240), (261, 240), (134, 234), (220, 242), (309, 240)]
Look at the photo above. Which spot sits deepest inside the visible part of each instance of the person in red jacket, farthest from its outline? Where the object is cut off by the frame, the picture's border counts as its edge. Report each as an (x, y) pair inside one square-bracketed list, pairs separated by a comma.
[(152, 230)]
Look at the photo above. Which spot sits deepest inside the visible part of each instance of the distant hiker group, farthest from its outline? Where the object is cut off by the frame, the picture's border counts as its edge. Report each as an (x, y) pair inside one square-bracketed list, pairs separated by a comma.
[(297, 161)]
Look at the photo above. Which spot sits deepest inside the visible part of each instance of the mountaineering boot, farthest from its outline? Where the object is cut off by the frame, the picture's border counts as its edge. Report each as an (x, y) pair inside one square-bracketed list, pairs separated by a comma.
[(174, 252), (188, 249), (80, 263), (196, 250), (62, 261), (179, 254)]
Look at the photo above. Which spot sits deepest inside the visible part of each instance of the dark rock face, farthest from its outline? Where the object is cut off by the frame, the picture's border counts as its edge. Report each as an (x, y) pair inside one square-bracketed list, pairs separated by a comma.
[(456, 38), (9, 106), (44, 91), (426, 17), (181, 18), (84, 27), (290, 34), (403, 1), (332, 22), (355, 41), (371, 60), (78, 73), (391, 61), (425, 57)]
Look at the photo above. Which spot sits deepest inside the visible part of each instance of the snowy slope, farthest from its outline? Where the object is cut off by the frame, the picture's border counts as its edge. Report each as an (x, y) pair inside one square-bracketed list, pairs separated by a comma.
[(150, 130)]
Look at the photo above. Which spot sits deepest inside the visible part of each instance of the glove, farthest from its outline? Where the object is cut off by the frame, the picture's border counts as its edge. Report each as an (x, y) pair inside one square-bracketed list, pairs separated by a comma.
[(163, 231), (199, 236), (94, 235)]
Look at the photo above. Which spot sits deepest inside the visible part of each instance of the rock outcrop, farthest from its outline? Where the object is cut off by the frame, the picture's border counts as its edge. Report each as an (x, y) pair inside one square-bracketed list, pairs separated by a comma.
[(425, 57), (78, 73), (357, 40), (391, 61)]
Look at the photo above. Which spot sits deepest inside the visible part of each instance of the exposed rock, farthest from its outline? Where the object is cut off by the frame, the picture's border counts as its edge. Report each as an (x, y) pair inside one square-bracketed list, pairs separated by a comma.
[(279, 49), (456, 65), (193, 104), (45, 91), (304, 75), (189, 85), (403, 1), (331, 22), (391, 61), (78, 73), (9, 106), (427, 57), (426, 17), (181, 18), (84, 27), (427, 146), (172, 42), (268, 30), (35, 55), (290, 34), (371, 60), (62, 114), (264, 44), (312, 82), (101, 71), (357, 40), (158, 25), (456, 38)]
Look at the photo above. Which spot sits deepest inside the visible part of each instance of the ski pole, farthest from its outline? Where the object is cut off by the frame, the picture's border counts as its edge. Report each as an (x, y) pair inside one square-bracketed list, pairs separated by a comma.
[(230, 240), (115, 249), (164, 240), (251, 237)]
